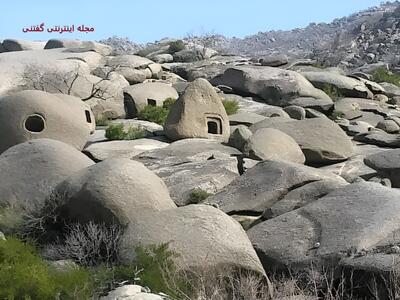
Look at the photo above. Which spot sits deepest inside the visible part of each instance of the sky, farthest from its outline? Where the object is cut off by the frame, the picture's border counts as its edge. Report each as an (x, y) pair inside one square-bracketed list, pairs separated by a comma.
[(147, 21)]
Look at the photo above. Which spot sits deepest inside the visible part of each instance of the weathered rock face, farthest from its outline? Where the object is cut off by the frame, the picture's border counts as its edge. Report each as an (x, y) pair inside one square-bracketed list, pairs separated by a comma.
[(273, 144), (77, 46), (134, 68), (137, 96), (347, 86), (321, 140), (29, 171), (198, 113), (31, 115), (11, 45), (321, 105), (115, 190), (131, 292), (274, 60), (274, 85), (265, 184), (191, 164), (240, 135), (356, 217), (203, 236), (122, 149), (387, 164)]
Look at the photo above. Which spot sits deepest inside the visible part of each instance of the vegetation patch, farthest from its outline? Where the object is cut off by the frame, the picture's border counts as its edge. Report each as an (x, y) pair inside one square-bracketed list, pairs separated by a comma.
[(25, 275), (384, 75), (231, 106), (332, 91), (198, 195), (157, 114), (118, 132)]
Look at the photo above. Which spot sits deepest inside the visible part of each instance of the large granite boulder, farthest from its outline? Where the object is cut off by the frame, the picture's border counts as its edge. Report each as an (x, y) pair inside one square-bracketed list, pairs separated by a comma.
[(122, 149), (347, 86), (273, 144), (202, 236), (347, 221), (387, 163), (198, 113), (321, 140), (192, 164), (276, 86), (137, 96), (29, 171), (112, 191), (265, 184), (32, 114), (10, 45)]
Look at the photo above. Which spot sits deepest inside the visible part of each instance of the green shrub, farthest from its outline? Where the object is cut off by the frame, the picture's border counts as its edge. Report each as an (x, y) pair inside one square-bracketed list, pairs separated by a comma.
[(231, 106), (176, 46), (157, 114), (159, 271), (118, 132), (102, 121), (332, 91), (10, 220), (24, 275), (168, 103), (198, 195), (384, 75)]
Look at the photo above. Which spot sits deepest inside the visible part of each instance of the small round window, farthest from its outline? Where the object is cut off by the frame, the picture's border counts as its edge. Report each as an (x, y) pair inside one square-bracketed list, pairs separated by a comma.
[(35, 123)]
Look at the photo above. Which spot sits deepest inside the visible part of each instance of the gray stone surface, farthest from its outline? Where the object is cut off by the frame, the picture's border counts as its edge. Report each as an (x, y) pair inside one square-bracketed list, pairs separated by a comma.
[(353, 218), (203, 236), (31, 115), (198, 113), (276, 86), (122, 149), (29, 171), (112, 191), (265, 184), (321, 140), (273, 144)]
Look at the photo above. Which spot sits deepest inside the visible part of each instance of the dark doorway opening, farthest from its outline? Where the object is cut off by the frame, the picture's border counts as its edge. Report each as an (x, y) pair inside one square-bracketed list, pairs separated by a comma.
[(130, 107), (35, 123), (151, 102), (214, 126), (88, 117)]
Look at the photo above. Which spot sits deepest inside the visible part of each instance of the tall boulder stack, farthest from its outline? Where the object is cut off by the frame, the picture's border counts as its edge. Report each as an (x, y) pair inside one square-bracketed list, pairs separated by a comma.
[(198, 113), (32, 114)]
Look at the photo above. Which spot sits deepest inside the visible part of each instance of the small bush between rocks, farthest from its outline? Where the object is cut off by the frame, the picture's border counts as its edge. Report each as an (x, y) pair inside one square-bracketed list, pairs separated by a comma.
[(176, 46), (198, 195), (384, 75), (24, 275), (157, 114), (332, 91), (102, 121), (231, 106), (90, 244), (118, 132)]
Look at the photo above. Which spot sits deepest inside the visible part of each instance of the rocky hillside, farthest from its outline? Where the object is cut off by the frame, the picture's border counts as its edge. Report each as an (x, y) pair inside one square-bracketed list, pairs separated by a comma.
[(366, 37), (199, 175)]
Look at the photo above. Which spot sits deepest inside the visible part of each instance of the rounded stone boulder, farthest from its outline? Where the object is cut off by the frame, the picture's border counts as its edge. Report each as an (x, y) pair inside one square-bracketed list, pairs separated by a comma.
[(29, 171), (138, 96), (273, 144), (202, 236), (198, 113), (112, 191), (29, 115)]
